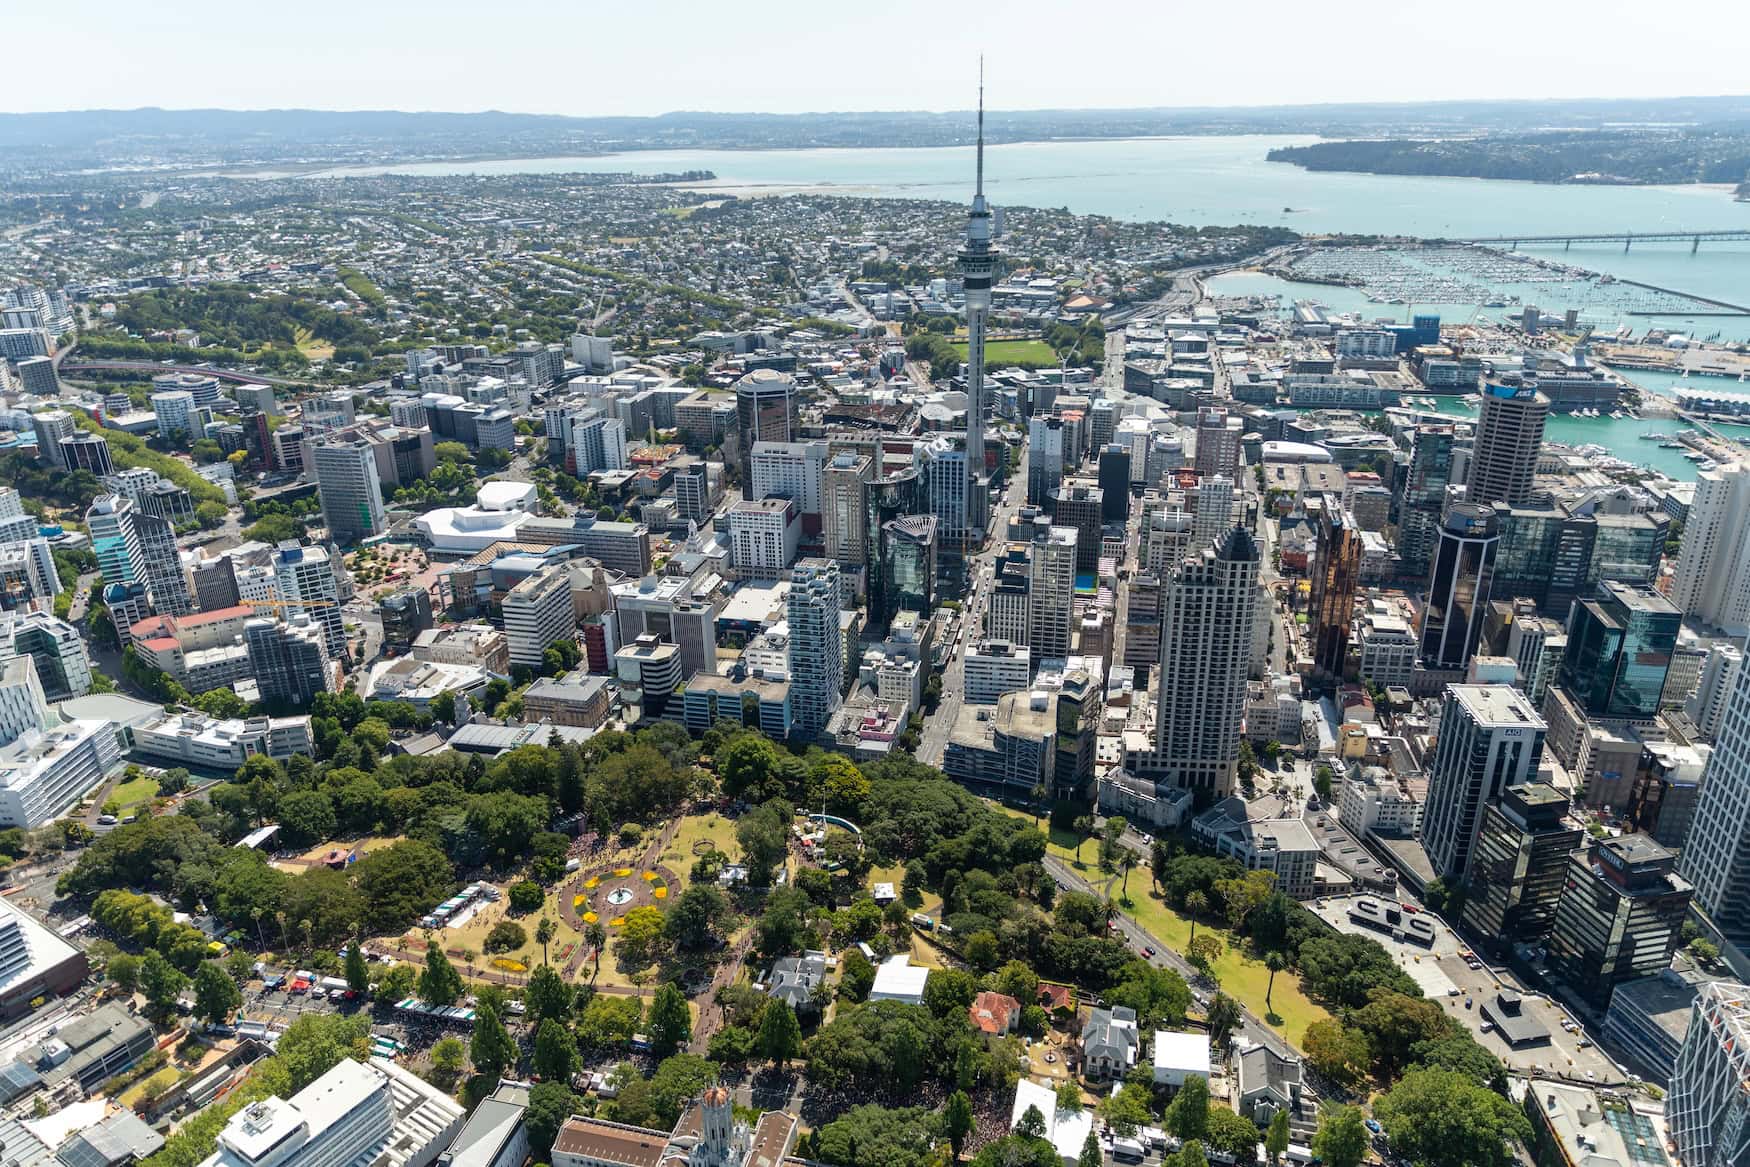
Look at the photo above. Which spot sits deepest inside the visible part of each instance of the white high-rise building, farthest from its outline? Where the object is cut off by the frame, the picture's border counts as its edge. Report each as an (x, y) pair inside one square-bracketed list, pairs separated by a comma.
[(995, 667), (1491, 737), (597, 443), (538, 612), (1168, 537), (1045, 457), (16, 524), (817, 646), (1215, 508), (789, 470), (351, 488), (161, 566), (52, 426), (114, 539), (23, 705), (304, 580), (1716, 855), (1712, 582), (54, 646), (1706, 707), (1052, 591), (1708, 1108), (175, 410), (1208, 605), (763, 534)]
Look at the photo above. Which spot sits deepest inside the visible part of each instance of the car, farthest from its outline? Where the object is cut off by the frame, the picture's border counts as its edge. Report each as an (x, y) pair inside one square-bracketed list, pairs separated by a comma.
[(1148, 950), (1412, 909), (1452, 992), (1585, 1043), (106, 820), (1373, 1125)]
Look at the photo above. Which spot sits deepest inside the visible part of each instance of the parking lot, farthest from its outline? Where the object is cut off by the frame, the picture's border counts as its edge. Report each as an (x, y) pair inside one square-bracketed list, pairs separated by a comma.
[(1445, 974)]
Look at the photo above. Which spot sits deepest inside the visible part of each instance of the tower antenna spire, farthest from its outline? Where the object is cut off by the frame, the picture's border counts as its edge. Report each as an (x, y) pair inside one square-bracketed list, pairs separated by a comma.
[(979, 190)]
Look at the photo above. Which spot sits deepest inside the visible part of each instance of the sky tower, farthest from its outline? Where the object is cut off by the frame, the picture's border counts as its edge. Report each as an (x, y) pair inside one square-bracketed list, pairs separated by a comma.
[(978, 262)]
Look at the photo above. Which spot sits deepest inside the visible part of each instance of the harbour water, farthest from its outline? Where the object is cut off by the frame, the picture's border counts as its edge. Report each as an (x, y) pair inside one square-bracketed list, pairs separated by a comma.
[(1221, 180)]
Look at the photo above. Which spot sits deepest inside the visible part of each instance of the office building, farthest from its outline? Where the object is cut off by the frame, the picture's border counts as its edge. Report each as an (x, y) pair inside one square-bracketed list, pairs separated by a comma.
[(199, 652), (537, 612), (1009, 614), (766, 409), (1079, 706), (1490, 738), (161, 566), (289, 660), (816, 644), (695, 490), (666, 607), (1052, 590), (789, 470), (1047, 455), (1520, 865), (763, 534), (1218, 442), (496, 1134), (1619, 916), (45, 771), (351, 489), (1712, 583), (652, 671), (1708, 1110), (1619, 649), (1716, 858), (52, 426), (1114, 479), (1537, 645), (995, 667), (196, 740), (1386, 646), (37, 377), (1706, 707), (908, 560), (1079, 506), (1459, 586), (845, 507), (405, 613), (1208, 605), (215, 583), (1504, 452), (304, 581), (114, 539), (357, 1113), (175, 410), (1335, 576), (88, 452), (55, 648)]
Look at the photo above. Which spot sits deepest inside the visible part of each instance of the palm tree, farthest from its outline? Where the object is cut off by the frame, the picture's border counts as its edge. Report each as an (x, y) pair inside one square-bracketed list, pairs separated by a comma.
[(1038, 793), (1275, 962), (285, 941), (256, 913), (598, 938), (544, 932), (1125, 862), (1196, 904), (309, 928), (1083, 827)]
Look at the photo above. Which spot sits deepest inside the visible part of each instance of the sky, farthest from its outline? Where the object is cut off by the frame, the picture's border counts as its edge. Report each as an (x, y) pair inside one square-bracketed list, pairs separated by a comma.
[(586, 57)]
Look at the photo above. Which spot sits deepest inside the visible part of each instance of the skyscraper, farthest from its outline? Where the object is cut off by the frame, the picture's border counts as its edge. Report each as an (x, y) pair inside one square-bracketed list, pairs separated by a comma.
[(1218, 442), (1519, 865), (1214, 510), (161, 566), (350, 487), (1208, 604), (304, 580), (1046, 438), (1716, 856), (978, 264), (52, 426), (1619, 650), (1424, 497), (1115, 482), (1708, 1110), (1011, 593), (1490, 738), (1719, 677), (765, 408), (1336, 574), (1458, 588), (537, 612), (908, 551), (1620, 915), (844, 507), (114, 540), (290, 660), (1504, 452), (1713, 565), (1053, 589), (816, 644)]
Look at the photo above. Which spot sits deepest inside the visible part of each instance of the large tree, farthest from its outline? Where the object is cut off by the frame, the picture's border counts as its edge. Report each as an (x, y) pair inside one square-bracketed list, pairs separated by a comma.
[(550, 1104), (547, 996), (780, 1034), (555, 1058), (491, 1048), (316, 1042), (440, 983), (1443, 1118), (670, 1021), (1341, 1140), (215, 993)]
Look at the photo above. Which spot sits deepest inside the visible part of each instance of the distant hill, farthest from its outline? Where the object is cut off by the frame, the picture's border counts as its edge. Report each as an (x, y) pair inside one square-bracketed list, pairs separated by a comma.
[(1719, 155), (190, 137)]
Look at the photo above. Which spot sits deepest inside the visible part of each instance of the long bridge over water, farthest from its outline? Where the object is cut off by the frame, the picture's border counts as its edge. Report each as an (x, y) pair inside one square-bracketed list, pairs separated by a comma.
[(1628, 238)]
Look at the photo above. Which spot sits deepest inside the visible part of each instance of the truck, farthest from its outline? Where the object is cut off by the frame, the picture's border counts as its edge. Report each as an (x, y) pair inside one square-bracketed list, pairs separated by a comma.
[(332, 985), (1127, 1150)]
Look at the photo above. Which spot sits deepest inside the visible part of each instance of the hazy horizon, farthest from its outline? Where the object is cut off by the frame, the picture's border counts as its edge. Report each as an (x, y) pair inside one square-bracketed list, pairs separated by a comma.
[(790, 58)]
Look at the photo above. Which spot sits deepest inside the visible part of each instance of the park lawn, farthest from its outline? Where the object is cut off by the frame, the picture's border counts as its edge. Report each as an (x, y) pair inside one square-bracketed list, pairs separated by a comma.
[(134, 792), (998, 352), (1243, 976), (712, 827), (164, 1079), (316, 350)]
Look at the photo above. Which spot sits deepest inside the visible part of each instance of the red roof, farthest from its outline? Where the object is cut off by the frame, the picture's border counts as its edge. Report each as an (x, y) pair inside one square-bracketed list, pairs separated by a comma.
[(992, 1012), (1055, 997), (154, 626)]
